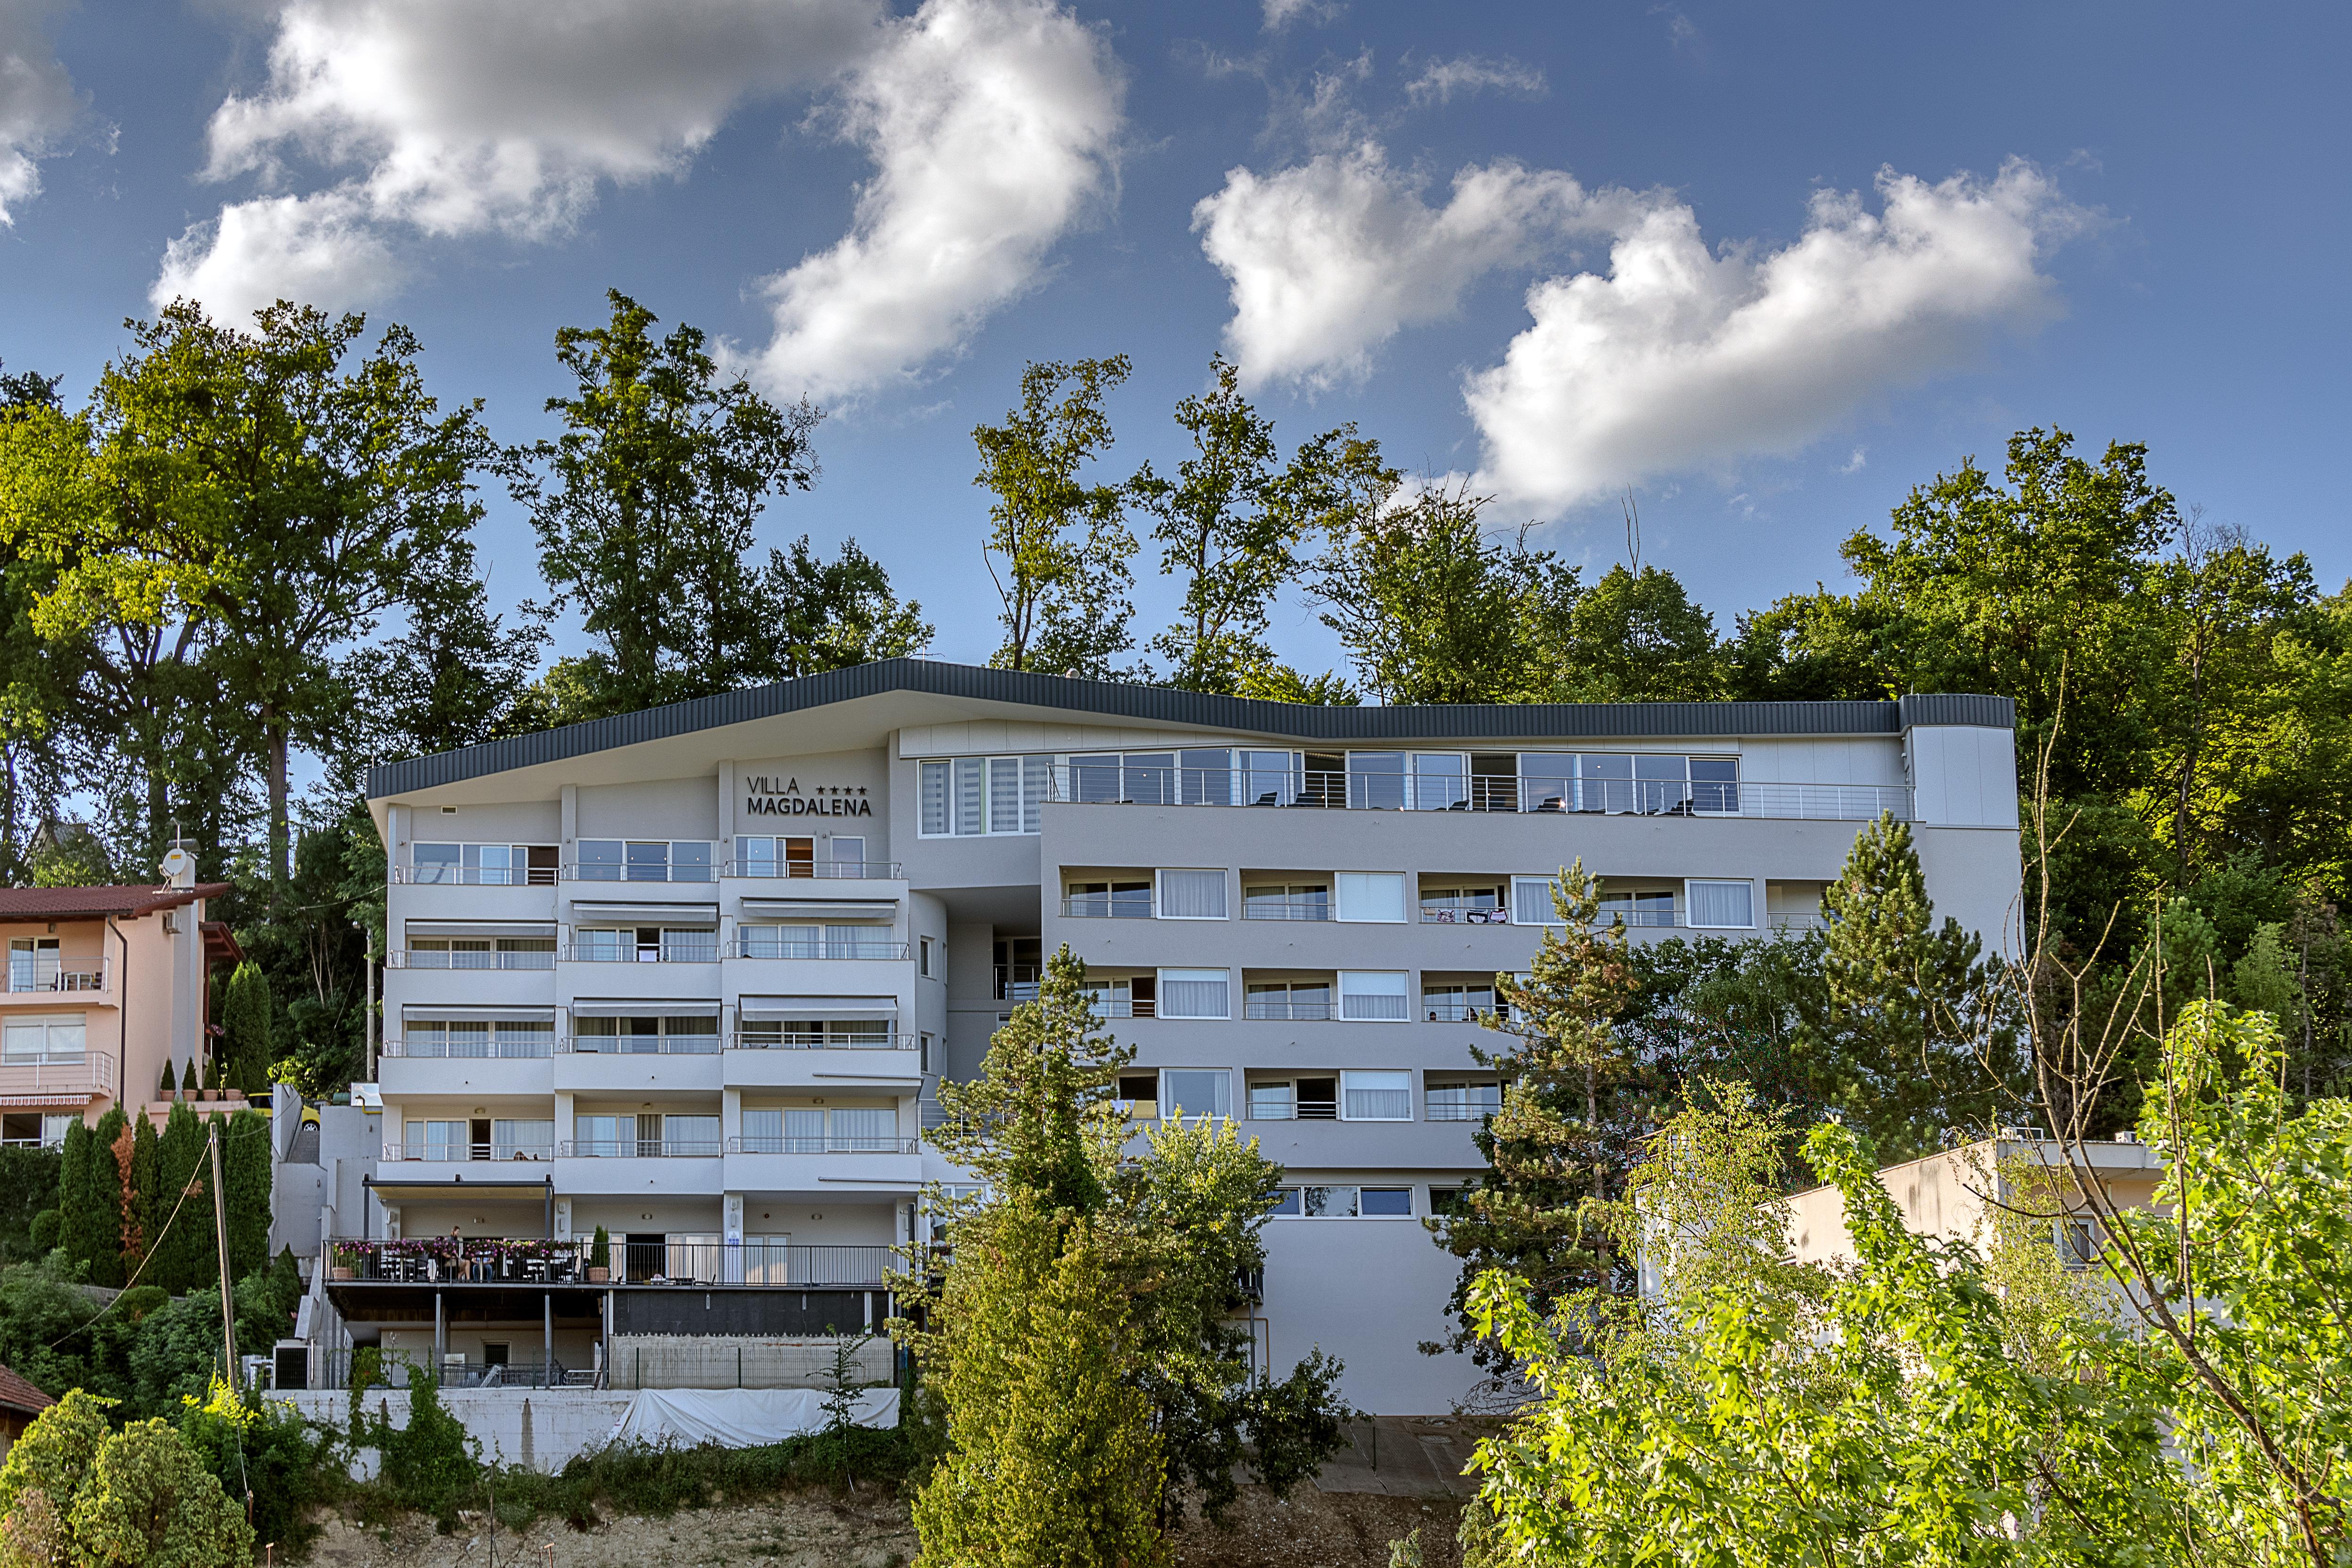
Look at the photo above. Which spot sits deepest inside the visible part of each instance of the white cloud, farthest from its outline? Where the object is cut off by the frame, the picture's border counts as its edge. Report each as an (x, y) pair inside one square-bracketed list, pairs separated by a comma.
[(1330, 258), (317, 250), (474, 116), (992, 125), (1439, 80), (1681, 356), (1280, 14), (38, 104)]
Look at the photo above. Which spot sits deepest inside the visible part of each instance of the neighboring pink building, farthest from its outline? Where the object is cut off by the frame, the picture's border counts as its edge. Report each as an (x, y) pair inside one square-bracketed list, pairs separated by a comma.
[(104, 986)]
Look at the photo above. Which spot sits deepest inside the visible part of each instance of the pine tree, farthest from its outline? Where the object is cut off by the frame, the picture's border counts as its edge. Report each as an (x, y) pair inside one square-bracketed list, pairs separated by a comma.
[(143, 1220), (188, 1078), (104, 1242), (248, 1019), (1055, 1459), (76, 1222), (1565, 1133), (245, 1174), (178, 1153), (1909, 1002)]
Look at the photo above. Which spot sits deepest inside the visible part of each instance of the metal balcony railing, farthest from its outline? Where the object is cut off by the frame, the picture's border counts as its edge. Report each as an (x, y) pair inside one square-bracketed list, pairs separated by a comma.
[(846, 870), (78, 975), (639, 1045), (831, 1143), (439, 875), (531, 1260), (1108, 907), (818, 1040), (1017, 982), (1108, 782), (1808, 920), (442, 958), (463, 1151), (1124, 1006), (511, 1048), (749, 944), (639, 1149), (1285, 909), (670, 952), (1441, 1108), (1456, 1012), (1294, 1012), (76, 1075), (1449, 915), (639, 871)]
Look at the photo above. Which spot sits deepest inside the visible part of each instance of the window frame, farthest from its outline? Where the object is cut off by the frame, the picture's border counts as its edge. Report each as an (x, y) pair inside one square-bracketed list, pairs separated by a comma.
[(1193, 976), (1160, 876), (1691, 906), (1346, 1074)]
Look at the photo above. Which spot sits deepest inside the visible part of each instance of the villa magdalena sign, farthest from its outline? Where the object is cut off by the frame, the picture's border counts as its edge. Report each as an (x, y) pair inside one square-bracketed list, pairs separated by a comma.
[(765, 797)]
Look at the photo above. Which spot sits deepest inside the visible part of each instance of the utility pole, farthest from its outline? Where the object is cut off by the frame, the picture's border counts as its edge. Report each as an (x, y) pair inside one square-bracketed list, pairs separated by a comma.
[(220, 1236), (368, 963)]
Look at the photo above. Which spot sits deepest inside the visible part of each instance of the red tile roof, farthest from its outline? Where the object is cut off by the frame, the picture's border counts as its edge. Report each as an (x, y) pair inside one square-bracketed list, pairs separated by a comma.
[(16, 1394), (96, 903)]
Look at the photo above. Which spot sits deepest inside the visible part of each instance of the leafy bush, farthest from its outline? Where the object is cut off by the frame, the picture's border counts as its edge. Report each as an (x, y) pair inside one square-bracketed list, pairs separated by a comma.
[(262, 1451), (658, 1481), (429, 1463), (28, 1188)]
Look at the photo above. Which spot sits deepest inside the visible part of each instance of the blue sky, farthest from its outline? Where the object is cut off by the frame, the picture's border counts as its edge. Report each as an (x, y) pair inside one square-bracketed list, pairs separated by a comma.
[(1768, 266)]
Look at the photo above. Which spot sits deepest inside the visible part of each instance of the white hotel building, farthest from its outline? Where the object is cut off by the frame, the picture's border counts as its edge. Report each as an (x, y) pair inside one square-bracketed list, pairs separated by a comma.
[(693, 974)]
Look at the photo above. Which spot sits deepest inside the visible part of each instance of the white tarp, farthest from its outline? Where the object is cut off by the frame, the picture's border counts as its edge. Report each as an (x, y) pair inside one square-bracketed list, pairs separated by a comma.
[(738, 1418)]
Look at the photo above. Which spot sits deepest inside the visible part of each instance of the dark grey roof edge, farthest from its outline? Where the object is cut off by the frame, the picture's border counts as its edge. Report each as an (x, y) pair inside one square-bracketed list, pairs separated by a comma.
[(1165, 705), (1967, 709)]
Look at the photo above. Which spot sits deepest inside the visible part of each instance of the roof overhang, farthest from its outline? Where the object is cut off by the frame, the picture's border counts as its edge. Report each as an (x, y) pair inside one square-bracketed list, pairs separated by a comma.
[(858, 709)]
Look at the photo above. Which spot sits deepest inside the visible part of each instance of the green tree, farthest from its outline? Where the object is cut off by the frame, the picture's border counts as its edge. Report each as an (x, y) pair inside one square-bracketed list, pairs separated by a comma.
[(1230, 525), (1059, 546), (1561, 1141), (77, 1191), (102, 1247), (1637, 639), (139, 1232), (75, 1492), (249, 1016), (259, 491), (1429, 607), (178, 1256), (245, 1179), (1053, 1458), (646, 503), (1920, 1035), (818, 615), (1762, 1412)]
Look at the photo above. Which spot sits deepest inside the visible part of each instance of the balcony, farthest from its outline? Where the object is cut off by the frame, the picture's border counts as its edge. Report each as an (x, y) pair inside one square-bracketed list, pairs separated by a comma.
[(510, 1262), (671, 951), (819, 1040), (749, 944), (1457, 914), (639, 1045), (829, 1143), (438, 958), (638, 1149), (493, 1149), (1017, 982), (1294, 1012), (1107, 782), (57, 1078), (1810, 919), (1285, 909), (1108, 907), (821, 870), (40, 975), (478, 1049), (447, 876)]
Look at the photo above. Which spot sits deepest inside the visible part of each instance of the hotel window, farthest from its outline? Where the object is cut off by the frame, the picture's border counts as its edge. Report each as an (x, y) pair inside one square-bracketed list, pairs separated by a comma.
[(1374, 996), (1291, 1000), (1376, 897), (1194, 994), (1455, 905), (1638, 906), (1196, 1092), (1722, 905), (1286, 901), (510, 1039), (979, 797), (438, 1141), (644, 860), (1531, 902), (521, 1139), (925, 950), (1343, 1203), (1191, 895), (1295, 1099), (60, 1040), (1125, 900), (1461, 1100), (483, 865), (1463, 1003), (1375, 1096), (811, 1129), (689, 1036), (1272, 1101), (1132, 997)]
